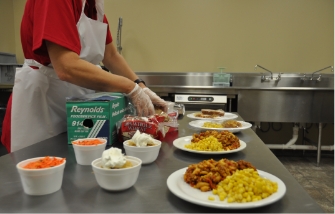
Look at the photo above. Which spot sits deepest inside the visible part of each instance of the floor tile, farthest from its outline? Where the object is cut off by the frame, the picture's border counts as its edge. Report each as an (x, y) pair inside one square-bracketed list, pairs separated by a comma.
[(318, 181)]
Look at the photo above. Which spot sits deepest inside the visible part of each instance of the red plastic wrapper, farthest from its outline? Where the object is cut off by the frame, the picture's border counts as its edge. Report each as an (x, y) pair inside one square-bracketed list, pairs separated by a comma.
[(157, 126), (169, 121)]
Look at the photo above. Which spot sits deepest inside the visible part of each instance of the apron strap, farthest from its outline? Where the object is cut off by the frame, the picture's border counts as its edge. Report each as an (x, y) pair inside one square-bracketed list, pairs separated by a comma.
[(99, 5), (46, 70), (83, 6), (32, 62)]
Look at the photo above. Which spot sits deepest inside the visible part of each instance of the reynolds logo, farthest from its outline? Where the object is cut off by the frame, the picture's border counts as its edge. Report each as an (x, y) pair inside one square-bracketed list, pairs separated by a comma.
[(87, 110), (115, 105)]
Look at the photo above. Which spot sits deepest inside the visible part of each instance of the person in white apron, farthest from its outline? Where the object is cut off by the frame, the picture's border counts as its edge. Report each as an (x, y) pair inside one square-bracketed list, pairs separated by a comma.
[(39, 95)]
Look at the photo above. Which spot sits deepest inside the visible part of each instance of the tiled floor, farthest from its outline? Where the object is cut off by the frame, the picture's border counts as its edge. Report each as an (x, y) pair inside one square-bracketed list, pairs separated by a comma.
[(318, 181)]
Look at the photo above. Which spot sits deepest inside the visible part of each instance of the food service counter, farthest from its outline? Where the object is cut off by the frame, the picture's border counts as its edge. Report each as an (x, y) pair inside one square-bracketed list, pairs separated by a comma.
[(81, 193)]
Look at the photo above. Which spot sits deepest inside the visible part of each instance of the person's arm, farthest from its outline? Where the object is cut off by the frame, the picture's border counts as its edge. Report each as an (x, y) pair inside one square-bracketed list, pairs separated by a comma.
[(70, 68), (117, 64)]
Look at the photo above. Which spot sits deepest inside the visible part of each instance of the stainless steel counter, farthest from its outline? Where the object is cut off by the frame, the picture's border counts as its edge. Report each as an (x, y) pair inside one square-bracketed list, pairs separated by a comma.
[(163, 81), (81, 193), (291, 98)]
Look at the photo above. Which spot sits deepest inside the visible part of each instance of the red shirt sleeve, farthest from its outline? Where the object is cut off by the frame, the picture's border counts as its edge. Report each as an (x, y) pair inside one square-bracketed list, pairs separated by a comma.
[(55, 21), (109, 37)]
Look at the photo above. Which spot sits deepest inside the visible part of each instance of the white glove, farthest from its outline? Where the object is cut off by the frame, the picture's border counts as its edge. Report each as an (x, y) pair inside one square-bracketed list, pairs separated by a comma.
[(141, 101), (155, 99)]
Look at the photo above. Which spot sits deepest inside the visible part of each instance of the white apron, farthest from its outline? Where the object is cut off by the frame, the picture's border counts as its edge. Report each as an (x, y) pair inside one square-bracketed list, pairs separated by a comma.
[(39, 96)]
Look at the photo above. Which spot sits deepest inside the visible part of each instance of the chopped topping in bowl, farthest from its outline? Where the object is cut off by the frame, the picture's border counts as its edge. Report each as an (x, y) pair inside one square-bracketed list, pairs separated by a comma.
[(45, 162), (87, 142)]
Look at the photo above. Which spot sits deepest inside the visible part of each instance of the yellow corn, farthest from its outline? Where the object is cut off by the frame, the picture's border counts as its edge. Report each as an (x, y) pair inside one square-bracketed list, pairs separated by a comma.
[(206, 144), (212, 125), (245, 186)]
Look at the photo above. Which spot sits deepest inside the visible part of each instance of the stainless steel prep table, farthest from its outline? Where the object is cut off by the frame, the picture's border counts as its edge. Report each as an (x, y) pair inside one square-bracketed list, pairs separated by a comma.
[(81, 193)]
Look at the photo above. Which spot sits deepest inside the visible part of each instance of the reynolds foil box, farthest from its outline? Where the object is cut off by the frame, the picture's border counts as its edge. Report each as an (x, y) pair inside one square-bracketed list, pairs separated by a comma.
[(95, 116)]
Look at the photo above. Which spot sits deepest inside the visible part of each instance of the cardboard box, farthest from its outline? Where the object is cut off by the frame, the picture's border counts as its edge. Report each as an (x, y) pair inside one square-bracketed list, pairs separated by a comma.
[(95, 115)]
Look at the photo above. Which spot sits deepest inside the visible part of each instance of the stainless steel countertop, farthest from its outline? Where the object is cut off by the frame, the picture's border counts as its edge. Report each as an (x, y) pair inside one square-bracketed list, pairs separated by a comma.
[(160, 88), (81, 193), (293, 97), (163, 81), (243, 88)]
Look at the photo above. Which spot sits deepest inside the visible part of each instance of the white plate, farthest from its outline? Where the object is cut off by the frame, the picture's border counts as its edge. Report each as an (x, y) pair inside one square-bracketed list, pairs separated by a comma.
[(227, 116), (182, 141), (183, 190), (199, 123)]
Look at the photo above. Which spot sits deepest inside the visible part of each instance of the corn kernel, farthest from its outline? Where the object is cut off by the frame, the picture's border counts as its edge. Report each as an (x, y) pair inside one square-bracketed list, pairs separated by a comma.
[(245, 186), (211, 198)]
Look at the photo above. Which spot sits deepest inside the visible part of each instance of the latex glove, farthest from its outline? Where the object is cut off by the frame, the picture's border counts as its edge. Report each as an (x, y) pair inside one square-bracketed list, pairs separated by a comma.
[(141, 101), (156, 100)]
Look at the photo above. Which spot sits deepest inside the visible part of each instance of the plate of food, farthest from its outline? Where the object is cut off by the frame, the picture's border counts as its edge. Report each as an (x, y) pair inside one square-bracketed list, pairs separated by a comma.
[(228, 125), (210, 146), (210, 114), (222, 196)]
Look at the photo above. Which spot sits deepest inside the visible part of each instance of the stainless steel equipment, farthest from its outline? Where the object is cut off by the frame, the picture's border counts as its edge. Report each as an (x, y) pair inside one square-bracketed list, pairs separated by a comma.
[(4, 96), (319, 78), (264, 78), (196, 102), (118, 38), (8, 66), (151, 181), (286, 98)]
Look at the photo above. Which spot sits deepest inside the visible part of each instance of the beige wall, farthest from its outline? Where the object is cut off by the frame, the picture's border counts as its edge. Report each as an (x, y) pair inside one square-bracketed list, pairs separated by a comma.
[(201, 35), (7, 38), (18, 11)]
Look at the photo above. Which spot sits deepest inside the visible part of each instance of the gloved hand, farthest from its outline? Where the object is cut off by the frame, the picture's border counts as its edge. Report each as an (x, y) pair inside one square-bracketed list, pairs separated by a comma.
[(141, 101), (156, 100)]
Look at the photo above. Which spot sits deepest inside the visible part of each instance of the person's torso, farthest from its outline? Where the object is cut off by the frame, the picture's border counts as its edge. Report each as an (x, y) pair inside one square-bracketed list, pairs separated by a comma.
[(41, 20)]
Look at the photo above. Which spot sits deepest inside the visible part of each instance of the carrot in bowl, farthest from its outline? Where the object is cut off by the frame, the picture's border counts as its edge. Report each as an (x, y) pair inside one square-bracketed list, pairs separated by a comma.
[(91, 142), (45, 162)]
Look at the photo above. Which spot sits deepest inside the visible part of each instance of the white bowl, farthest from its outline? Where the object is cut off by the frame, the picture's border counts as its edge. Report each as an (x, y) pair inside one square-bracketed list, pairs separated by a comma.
[(86, 154), (147, 154), (117, 179), (40, 181)]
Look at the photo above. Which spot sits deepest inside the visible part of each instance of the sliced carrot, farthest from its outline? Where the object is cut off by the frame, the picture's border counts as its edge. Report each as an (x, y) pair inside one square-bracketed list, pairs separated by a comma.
[(91, 142), (45, 162)]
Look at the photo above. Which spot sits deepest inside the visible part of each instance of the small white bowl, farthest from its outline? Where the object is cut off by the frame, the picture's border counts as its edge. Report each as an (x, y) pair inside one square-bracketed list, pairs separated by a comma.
[(147, 154), (40, 181), (86, 154), (117, 179)]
